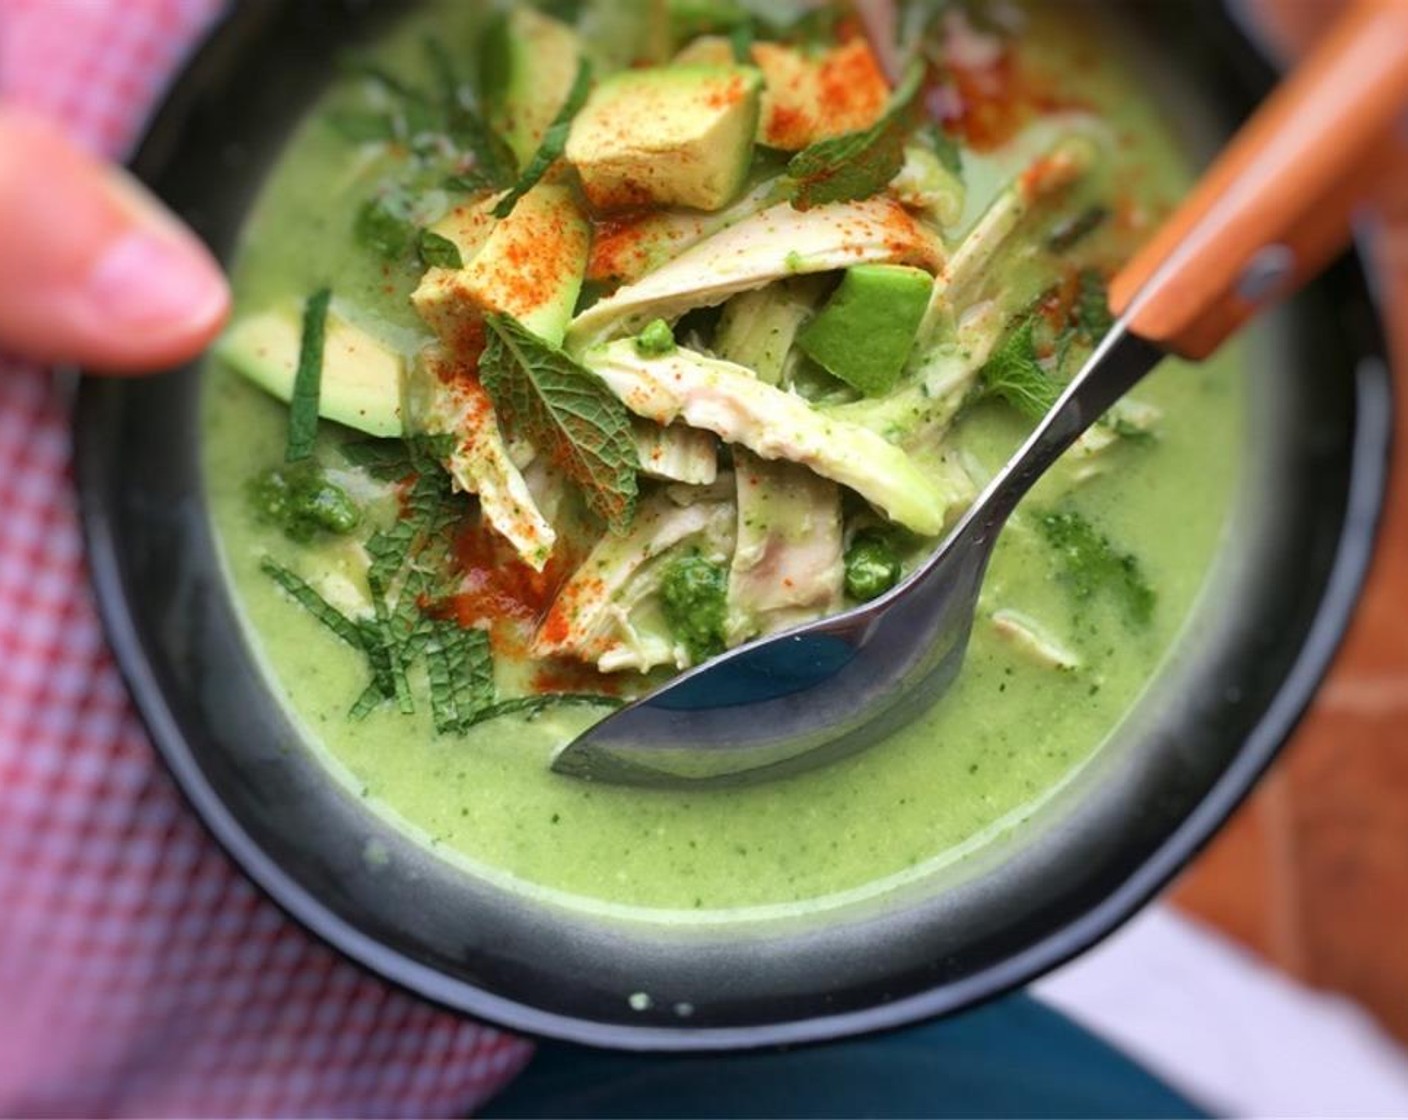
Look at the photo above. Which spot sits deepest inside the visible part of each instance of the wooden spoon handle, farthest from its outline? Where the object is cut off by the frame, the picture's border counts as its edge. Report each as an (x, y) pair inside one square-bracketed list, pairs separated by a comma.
[(1276, 206)]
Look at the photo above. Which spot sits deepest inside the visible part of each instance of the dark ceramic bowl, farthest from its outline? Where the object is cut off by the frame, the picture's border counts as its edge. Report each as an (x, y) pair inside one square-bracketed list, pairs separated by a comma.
[(1282, 594)]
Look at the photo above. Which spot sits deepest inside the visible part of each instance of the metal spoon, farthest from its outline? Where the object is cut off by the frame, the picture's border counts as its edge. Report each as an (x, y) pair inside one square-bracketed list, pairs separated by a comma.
[(1271, 212)]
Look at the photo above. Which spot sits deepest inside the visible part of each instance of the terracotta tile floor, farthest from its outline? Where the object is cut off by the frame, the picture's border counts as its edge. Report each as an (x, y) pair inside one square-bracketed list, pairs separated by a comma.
[(1313, 873)]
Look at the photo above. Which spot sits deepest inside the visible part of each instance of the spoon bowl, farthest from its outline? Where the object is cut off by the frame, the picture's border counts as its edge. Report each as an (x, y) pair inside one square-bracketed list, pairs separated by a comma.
[(810, 695)]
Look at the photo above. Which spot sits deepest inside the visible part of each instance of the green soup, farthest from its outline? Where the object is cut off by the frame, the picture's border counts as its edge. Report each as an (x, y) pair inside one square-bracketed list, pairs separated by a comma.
[(1013, 729)]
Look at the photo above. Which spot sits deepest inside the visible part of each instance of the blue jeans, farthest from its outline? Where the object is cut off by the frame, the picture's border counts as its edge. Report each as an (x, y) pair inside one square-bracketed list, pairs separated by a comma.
[(1013, 1057)]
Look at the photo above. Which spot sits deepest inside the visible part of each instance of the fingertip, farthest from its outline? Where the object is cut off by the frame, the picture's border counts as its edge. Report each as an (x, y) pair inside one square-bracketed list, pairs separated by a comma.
[(153, 299), (93, 269)]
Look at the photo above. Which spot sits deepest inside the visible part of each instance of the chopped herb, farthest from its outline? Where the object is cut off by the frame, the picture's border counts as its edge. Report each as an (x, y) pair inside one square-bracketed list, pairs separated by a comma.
[(438, 252), (656, 339), (301, 501), (384, 226), (1014, 374), (536, 705), (307, 381), (307, 598), (1092, 309), (400, 684), (1070, 231), (554, 141), (694, 595), (565, 411), (857, 164), (872, 566), (1088, 565), (460, 666)]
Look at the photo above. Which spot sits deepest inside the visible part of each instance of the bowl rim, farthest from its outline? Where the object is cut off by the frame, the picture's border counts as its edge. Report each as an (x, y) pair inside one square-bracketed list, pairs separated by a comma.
[(1354, 552)]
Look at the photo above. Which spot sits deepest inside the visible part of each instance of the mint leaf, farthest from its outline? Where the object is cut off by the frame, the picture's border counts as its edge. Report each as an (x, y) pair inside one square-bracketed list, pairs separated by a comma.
[(567, 412), (438, 252), (858, 164), (306, 597), (554, 141), (1013, 373), (460, 667), (308, 379), (531, 706)]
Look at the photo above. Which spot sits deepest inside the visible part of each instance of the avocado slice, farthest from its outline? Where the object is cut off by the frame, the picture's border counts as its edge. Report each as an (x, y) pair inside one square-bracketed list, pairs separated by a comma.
[(866, 330), (530, 267), (530, 61), (362, 376), (468, 225), (668, 136)]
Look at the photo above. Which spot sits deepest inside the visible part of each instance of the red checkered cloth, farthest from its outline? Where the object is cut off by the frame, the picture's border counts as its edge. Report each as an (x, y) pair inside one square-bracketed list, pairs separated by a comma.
[(140, 973)]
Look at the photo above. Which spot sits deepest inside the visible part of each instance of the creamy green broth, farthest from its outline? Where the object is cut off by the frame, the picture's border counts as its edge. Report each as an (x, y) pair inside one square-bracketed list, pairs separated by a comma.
[(1007, 735)]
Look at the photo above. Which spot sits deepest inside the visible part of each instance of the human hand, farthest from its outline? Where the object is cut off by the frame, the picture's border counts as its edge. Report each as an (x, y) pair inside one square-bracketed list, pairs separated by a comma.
[(93, 269)]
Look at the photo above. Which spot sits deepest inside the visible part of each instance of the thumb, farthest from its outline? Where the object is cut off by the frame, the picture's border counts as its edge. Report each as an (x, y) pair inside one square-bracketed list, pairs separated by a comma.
[(93, 269)]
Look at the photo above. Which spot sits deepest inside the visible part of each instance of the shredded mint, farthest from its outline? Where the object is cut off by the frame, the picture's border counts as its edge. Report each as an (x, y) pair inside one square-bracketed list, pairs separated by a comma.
[(438, 252), (306, 597), (536, 705), (565, 411), (307, 381), (554, 141), (857, 164), (1014, 374), (460, 665), (386, 459)]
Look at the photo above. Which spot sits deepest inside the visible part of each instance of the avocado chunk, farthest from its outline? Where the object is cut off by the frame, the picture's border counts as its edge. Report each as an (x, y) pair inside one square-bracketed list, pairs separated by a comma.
[(468, 225), (530, 267), (530, 60), (809, 99), (361, 383), (679, 135), (866, 330)]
